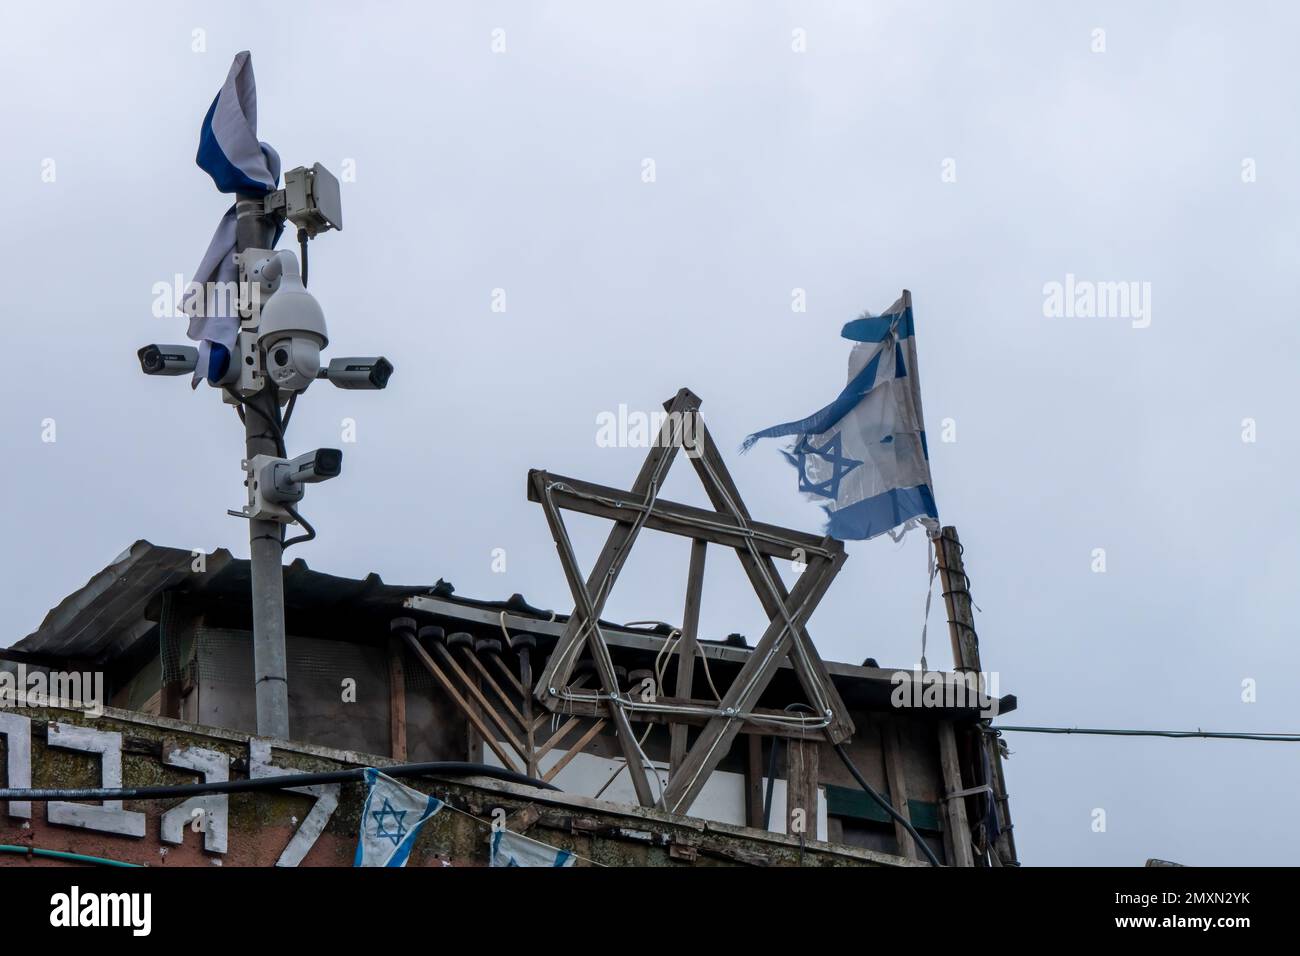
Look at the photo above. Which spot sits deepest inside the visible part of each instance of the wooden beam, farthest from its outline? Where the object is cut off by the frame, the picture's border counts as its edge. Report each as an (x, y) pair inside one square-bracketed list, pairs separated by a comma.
[(754, 781), (802, 763), (686, 648), (396, 700), (956, 597), (602, 501), (519, 686), (431, 666), (896, 776), (476, 696), (748, 727), (708, 462), (955, 822), (486, 675), (966, 657), (556, 737), (715, 739), (590, 597), (576, 749), (560, 664)]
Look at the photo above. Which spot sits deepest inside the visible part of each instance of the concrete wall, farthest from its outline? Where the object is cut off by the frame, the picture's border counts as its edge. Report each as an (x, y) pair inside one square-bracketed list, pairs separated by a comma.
[(260, 826)]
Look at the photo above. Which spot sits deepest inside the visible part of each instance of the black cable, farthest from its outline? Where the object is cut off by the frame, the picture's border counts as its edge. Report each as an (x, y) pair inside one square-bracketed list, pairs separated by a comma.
[(1104, 732), (277, 432), (288, 411), (444, 768), (302, 245), (907, 824), (771, 784), (311, 532)]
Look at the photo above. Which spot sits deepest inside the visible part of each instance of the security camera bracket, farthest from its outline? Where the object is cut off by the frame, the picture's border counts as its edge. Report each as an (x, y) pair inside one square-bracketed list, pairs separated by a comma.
[(259, 276), (260, 507)]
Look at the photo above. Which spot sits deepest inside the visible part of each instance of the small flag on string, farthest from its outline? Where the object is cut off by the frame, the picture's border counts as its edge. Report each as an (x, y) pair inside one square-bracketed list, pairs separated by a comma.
[(864, 456), (391, 820), (515, 849)]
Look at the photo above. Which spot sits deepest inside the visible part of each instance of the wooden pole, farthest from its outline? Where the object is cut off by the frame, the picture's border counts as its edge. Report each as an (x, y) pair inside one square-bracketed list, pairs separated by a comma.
[(897, 777), (397, 698), (801, 772), (966, 658)]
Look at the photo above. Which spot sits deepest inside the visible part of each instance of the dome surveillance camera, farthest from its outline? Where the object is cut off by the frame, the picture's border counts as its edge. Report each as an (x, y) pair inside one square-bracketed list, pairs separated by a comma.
[(291, 331), (293, 362)]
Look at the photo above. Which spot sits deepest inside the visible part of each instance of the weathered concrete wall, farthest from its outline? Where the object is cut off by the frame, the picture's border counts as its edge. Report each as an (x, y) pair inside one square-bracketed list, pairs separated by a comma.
[(261, 825)]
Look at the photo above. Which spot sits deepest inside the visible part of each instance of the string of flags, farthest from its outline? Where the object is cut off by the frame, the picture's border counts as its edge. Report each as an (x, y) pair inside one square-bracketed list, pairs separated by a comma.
[(393, 815), (391, 819), (515, 849), (864, 456)]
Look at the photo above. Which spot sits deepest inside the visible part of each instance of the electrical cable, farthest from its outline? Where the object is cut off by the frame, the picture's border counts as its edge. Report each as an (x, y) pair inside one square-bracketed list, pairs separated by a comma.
[(771, 783), (302, 245), (442, 768), (1106, 732), (311, 532), (277, 431), (887, 807)]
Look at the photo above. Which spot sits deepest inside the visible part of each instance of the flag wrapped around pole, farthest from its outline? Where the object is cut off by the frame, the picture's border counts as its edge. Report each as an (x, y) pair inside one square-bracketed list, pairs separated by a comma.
[(229, 152), (391, 819), (864, 456)]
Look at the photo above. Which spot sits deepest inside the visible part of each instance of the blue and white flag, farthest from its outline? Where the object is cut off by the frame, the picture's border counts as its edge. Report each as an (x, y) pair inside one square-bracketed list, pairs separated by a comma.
[(231, 154), (515, 849), (391, 820), (864, 457)]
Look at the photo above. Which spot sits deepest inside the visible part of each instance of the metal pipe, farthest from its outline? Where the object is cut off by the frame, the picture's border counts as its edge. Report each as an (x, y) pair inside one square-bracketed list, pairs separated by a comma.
[(30, 851), (254, 230), (446, 768)]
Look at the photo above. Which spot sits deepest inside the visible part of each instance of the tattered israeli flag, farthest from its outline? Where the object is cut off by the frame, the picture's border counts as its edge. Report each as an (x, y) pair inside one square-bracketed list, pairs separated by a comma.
[(231, 154), (515, 849), (391, 820), (863, 457)]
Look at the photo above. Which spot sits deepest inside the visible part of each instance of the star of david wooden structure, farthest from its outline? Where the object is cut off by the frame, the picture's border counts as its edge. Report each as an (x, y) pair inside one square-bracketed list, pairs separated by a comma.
[(758, 546)]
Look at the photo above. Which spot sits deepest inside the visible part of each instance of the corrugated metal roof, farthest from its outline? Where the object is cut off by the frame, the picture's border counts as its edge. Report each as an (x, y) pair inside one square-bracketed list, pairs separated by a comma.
[(107, 617), (111, 614)]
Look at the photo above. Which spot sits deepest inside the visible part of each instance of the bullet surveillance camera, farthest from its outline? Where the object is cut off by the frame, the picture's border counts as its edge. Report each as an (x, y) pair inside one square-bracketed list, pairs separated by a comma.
[(282, 481), (367, 373), (319, 465), (168, 359), (276, 482)]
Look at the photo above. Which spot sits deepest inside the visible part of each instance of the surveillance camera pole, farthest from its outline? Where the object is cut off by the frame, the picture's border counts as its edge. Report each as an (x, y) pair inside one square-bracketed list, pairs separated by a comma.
[(255, 230)]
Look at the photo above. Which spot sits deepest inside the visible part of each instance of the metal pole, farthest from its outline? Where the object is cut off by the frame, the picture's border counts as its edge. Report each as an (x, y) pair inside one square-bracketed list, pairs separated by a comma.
[(256, 231)]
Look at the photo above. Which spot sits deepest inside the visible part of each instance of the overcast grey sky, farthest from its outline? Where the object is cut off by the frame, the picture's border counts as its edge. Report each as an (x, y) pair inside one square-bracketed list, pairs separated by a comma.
[(822, 170)]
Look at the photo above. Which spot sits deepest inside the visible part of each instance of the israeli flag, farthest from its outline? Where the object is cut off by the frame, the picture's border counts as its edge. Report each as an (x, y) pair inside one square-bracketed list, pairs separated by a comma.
[(515, 849), (231, 154), (864, 457), (391, 820)]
